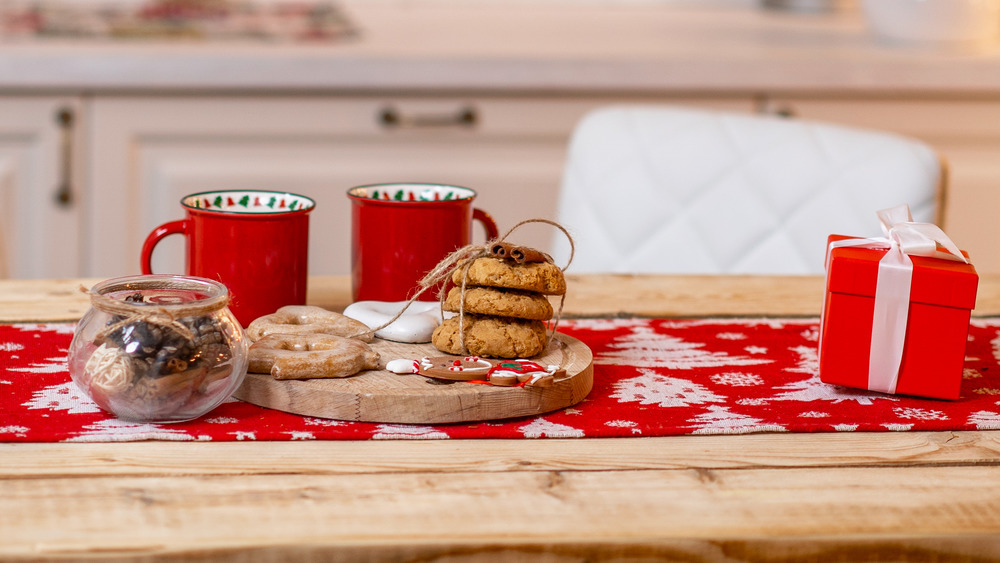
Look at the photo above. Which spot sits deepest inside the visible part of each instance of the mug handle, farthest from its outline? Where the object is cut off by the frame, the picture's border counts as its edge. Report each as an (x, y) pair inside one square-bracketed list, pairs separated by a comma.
[(172, 228), (488, 223)]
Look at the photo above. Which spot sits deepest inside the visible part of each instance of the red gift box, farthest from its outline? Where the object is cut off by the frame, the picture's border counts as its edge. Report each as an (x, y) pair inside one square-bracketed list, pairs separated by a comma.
[(942, 296)]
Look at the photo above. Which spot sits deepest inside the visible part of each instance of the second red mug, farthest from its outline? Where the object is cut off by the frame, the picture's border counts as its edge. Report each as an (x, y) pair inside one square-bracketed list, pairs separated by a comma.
[(399, 232), (255, 242)]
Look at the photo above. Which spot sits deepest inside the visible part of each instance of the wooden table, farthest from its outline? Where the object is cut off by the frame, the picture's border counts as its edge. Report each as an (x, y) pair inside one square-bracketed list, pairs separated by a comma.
[(837, 496)]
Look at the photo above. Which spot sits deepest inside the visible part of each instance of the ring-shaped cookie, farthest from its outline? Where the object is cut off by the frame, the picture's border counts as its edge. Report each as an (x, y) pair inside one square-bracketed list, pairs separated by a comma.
[(308, 356), (307, 319)]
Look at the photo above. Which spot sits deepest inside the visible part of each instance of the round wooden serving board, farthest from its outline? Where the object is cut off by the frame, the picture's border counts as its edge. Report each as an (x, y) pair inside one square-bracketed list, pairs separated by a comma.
[(383, 396)]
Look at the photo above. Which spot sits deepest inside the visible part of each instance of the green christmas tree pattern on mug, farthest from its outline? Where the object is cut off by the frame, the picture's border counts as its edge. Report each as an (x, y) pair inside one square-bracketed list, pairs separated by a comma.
[(412, 192), (249, 201)]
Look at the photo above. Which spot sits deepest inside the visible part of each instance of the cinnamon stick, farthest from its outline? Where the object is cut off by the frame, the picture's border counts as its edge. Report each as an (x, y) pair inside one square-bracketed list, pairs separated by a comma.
[(524, 254), (518, 254)]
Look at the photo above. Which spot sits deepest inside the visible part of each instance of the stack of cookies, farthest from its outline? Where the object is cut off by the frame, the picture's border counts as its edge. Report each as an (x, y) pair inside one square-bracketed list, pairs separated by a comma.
[(505, 307)]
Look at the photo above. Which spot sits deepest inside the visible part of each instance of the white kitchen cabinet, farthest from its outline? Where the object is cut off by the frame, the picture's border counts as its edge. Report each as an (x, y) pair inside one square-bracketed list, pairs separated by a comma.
[(40, 189), (141, 154), (966, 135), (146, 153)]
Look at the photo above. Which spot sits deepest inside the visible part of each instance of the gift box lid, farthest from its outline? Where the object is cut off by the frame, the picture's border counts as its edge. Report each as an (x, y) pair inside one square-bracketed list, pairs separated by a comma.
[(935, 281)]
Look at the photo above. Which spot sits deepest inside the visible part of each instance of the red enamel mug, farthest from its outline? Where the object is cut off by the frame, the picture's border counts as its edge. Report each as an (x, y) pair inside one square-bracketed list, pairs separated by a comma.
[(254, 242), (399, 232)]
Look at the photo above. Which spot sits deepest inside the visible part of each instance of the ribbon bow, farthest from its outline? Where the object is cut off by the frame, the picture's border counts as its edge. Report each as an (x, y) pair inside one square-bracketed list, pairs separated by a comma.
[(903, 238), (917, 239)]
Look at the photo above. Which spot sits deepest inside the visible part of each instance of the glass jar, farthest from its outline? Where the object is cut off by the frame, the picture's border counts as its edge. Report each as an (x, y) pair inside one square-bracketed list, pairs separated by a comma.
[(158, 348)]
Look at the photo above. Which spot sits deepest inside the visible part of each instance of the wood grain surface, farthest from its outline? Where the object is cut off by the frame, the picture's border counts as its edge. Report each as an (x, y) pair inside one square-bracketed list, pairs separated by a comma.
[(597, 295), (892, 496), (383, 396)]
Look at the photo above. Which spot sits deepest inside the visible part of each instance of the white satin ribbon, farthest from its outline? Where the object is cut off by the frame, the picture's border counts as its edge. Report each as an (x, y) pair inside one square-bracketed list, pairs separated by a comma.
[(903, 238)]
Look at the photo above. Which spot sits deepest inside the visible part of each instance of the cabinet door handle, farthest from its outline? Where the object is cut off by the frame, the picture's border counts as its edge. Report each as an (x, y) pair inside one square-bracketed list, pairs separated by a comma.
[(64, 191), (391, 118), (766, 106)]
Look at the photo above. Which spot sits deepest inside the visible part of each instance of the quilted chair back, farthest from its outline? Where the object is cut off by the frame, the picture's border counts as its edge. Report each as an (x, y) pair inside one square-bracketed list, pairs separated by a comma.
[(652, 189)]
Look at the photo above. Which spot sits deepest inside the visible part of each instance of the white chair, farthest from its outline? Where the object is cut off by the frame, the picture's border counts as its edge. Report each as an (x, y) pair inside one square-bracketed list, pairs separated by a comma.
[(658, 189)]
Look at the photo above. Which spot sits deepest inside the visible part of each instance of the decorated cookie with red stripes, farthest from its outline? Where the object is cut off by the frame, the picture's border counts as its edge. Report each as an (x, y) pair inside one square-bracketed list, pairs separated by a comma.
[(480, 370)]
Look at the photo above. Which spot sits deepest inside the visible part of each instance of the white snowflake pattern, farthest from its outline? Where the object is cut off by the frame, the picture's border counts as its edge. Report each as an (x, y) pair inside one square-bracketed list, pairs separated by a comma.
[(898, 427), (632, 426), (604, 324), (720, 420), (986, 391), (20, 431), (756, 350), (644, 347), (540, 427), (737, 379), (752, 401), (814, 414), (985, 420), (770, 322), (621, 423), (808, 360), (811, 334), (652, 388), (971, 373), (63, 397), (239, 435), (58, 328), (907, 413), (300, 435), (731, 336), (995, 344), (813, 389), (404, 432), (116, 430), (222, 420), (11, 347), (325, 422), (50, 365), (845, 427)]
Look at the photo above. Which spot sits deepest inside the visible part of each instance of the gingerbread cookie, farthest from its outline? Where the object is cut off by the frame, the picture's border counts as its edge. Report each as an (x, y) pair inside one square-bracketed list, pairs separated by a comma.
[(498, 337), (500, 302), (468, 368), (505, 373), (540, 277), (306, 319), (531, 374), (310, 356)]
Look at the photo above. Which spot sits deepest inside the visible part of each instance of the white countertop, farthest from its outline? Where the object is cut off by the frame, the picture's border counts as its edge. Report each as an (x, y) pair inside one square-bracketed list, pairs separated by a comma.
[(517, 46)]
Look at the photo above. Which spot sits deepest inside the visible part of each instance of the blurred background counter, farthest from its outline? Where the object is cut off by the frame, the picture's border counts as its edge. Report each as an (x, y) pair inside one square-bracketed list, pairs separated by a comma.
[(101, 133)]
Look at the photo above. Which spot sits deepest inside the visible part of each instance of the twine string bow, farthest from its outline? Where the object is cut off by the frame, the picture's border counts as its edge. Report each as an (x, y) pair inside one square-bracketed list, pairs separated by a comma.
[(463, 259), (155, 315)]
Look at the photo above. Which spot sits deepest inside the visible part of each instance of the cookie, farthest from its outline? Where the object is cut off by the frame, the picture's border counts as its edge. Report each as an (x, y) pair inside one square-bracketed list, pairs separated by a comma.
[(308, 356), (307, 319), (496, 337), (540, 277), (500, 302), (473, 368)]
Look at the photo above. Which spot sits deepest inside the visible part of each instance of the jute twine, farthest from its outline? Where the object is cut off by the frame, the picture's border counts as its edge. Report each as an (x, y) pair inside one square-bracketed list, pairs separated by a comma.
[(463, 258), (157, 315)]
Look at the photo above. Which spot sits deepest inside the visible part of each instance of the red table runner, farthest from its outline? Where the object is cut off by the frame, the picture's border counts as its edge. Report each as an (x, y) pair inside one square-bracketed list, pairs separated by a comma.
[(651, 378)]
